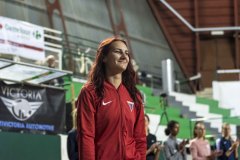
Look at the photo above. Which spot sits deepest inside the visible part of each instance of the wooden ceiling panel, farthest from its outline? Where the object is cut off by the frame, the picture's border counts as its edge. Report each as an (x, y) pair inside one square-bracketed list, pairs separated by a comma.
[(215, 4), (183, 12), (179, 5), (171, 23), (238, 6), (175, 30), (224, 11), (223, 20), (185, 36), (188, 54), (187, 45)]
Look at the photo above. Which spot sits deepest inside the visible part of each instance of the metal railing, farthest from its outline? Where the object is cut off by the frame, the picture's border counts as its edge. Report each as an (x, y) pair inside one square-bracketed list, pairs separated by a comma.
[(183, 20)]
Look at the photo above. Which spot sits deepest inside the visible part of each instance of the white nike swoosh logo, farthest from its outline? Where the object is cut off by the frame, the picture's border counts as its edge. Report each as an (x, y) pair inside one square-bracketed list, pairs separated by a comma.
[(104, 104)]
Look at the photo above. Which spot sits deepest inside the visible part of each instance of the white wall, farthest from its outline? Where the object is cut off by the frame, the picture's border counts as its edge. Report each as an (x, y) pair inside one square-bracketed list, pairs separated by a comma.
[(228, 95)]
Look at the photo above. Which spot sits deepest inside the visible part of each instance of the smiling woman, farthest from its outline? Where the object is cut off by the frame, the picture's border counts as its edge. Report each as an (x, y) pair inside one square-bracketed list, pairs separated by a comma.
[(110, 111)]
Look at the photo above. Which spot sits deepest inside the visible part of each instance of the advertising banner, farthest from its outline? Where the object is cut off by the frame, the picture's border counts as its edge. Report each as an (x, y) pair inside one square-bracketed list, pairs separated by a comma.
[(21, 39), (31, 108)]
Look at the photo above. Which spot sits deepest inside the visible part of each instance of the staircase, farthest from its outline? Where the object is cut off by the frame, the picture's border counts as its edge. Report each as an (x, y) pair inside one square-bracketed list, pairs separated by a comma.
[(187, 113)]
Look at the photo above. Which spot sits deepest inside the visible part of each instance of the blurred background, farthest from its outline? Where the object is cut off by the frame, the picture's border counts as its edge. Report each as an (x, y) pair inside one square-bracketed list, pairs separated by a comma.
[(186, 54)]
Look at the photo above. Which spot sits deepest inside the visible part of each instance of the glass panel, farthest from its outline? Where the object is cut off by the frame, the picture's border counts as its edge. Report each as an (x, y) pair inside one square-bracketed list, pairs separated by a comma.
[(19, 72), (3, 64), (47, 77)]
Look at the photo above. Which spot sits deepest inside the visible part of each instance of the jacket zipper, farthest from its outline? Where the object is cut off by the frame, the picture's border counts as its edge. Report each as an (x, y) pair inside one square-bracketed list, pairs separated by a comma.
[(121, 130)]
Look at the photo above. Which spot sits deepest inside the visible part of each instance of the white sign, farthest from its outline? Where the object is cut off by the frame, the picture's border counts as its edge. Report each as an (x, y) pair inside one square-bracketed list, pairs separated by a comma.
[(227, 93), (21, 39)]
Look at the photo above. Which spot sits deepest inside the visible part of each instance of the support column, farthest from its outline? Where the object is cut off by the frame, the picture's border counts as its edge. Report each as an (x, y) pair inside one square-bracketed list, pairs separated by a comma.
[(118, 26), (236, 34), (51, 6)]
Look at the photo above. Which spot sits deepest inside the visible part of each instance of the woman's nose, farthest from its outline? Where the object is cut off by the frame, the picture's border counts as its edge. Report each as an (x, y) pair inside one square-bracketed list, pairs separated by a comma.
[(124, 54)]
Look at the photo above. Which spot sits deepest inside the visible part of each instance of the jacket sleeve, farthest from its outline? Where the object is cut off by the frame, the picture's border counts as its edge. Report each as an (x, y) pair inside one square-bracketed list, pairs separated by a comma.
[(139, 133), (71, 146), (86, 125)]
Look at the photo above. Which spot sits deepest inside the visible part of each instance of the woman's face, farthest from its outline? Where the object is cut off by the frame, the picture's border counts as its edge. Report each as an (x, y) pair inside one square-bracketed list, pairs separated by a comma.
[(117, 59), (51, 63), (226, 131), (175, 129), (200, 130)]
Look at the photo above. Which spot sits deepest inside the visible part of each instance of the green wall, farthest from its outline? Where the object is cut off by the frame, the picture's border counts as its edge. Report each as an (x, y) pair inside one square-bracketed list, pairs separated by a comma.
[(17, 146)]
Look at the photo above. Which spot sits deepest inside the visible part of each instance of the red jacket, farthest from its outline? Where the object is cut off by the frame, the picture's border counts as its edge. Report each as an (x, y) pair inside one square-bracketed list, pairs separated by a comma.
[(111, 128)]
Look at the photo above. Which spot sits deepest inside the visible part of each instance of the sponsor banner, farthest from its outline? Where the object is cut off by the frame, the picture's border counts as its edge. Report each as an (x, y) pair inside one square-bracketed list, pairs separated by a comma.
[(31, 108), (21, 38)]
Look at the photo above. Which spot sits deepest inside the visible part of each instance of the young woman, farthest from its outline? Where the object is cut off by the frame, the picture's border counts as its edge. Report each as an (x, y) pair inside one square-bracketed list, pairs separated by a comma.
[(200, 147), (153, 148), (227, 145), (173, 150), (72, 147), (110, 110)]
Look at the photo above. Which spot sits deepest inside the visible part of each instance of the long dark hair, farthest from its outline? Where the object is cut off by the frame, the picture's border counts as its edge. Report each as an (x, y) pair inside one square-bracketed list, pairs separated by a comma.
[(170, 126), (97, 73)]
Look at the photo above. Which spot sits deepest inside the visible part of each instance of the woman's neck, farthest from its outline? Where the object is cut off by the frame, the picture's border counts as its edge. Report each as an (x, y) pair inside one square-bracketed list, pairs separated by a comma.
[(227, 137), (115, 80), (146, 130), (171, 135), (200, 138)]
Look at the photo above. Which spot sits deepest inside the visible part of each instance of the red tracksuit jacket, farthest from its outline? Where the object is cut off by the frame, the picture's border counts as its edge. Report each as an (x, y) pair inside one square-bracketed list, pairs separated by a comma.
[(111, 128)]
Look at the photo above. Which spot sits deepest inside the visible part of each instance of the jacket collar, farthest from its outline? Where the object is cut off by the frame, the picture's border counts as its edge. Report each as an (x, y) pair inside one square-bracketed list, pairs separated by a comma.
[(110, 85)]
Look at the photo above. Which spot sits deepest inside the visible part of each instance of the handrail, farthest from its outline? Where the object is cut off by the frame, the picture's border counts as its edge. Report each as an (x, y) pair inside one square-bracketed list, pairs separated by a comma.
[(193, 78), (52, 30), (228, 71), (213, 118)]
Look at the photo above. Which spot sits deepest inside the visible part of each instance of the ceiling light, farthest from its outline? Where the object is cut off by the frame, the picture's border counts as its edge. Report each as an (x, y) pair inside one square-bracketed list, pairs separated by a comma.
[(217, 33)]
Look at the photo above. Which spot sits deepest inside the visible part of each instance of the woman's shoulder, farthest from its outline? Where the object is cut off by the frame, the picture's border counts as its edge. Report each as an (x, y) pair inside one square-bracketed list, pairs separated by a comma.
[(88, 88), (88, 91), (193, 142), (72, 132)]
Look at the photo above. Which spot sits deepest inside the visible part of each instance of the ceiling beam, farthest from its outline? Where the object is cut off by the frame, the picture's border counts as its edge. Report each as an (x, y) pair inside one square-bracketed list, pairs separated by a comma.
[(170, 41)]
